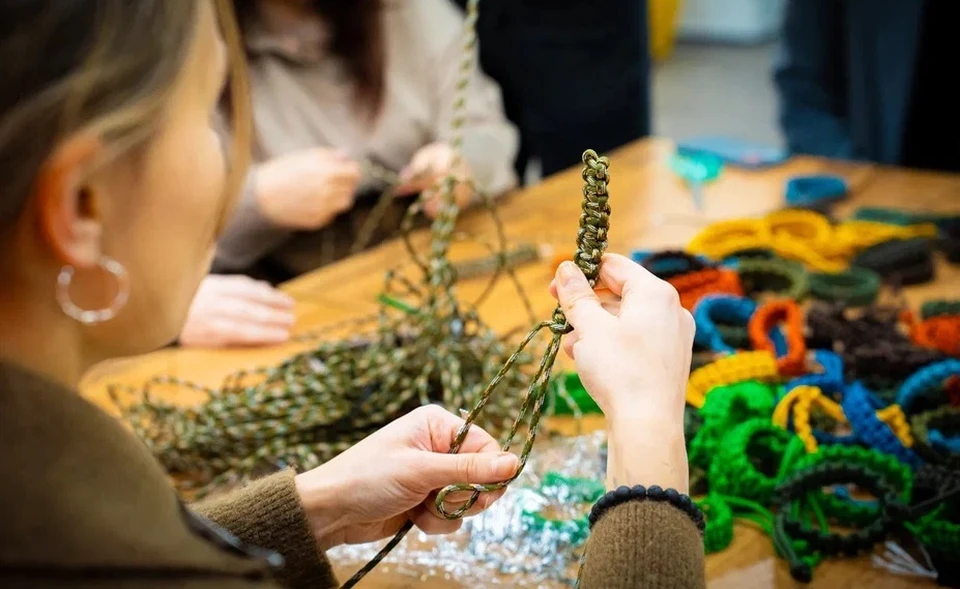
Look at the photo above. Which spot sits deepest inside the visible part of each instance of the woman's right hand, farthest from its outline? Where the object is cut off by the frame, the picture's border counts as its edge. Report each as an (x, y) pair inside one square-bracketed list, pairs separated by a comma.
[(632, 344), (306, 189), (235, 311)]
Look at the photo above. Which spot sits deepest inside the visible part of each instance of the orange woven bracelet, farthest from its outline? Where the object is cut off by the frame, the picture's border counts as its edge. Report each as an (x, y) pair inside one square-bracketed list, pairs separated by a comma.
[(765, 318)]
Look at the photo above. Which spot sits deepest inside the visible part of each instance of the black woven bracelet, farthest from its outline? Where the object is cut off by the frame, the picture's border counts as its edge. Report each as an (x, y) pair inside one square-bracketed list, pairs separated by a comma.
[(900, 261), (950, 239), (623, 495)]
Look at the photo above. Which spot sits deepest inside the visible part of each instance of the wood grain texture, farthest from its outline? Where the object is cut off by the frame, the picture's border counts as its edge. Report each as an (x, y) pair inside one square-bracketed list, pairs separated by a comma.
[(651, 208)]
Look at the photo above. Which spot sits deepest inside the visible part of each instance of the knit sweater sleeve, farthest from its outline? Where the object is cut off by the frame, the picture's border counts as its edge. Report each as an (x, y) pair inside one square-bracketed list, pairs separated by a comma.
[(268, 514), (644, 545)]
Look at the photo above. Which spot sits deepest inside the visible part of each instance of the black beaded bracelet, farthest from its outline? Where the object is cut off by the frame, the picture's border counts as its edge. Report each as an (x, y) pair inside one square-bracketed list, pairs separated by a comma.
[(624, 494)]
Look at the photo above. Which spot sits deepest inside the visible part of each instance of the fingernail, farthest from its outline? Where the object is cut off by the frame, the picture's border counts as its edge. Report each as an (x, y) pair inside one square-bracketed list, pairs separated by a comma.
[(568, 273), (506, 463)]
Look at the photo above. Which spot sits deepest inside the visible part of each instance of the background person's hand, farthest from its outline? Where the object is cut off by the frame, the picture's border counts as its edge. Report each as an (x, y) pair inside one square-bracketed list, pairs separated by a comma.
[(427, 170), (368, 492), (632, 346), (307, 189), (237, 310)]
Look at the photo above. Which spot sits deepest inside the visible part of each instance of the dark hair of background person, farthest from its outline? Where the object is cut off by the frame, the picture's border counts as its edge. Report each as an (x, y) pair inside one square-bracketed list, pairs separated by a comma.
[(356, 38)]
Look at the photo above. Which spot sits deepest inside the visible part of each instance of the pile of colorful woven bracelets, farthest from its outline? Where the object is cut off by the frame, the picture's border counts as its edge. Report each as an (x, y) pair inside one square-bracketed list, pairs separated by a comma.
[(822, 409)]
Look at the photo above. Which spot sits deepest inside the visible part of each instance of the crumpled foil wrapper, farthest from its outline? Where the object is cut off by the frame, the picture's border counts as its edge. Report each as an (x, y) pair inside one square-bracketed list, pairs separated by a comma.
[(497, 548)]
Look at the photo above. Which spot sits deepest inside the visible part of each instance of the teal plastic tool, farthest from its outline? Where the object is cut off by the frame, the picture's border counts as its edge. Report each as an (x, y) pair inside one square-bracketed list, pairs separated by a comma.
[(815, 191), (696, 170)]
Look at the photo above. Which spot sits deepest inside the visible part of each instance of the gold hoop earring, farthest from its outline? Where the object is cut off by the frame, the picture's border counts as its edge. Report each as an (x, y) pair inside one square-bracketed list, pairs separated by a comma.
[(94, 316)]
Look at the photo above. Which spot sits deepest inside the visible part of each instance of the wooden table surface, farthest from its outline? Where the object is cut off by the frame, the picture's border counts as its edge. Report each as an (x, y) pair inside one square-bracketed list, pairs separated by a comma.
[(651, 208)]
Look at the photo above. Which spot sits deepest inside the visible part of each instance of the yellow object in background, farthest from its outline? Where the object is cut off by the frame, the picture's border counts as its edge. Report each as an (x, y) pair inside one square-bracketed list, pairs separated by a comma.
[(663, 18)]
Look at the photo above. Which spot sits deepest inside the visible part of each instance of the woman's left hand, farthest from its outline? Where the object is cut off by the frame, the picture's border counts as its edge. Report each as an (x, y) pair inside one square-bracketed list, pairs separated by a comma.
[(430, 166), (369, 492)]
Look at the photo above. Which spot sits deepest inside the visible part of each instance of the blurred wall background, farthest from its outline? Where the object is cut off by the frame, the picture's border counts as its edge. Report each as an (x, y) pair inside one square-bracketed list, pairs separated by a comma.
[(713, 65)]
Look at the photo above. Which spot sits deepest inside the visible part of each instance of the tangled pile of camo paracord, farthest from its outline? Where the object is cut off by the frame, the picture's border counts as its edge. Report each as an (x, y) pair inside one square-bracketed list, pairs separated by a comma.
[(427, 346), (833, 426)]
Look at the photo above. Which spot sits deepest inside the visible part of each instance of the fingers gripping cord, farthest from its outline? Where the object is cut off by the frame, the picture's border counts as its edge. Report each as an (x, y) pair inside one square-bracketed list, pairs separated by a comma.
[(591, 244)]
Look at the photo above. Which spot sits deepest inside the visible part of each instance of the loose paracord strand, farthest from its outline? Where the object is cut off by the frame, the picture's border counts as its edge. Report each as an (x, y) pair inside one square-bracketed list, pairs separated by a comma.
[(591, 244)]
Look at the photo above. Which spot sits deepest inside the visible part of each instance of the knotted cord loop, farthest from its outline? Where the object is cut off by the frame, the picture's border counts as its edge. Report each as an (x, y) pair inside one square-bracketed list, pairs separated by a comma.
[(595, 217), (591, 243)]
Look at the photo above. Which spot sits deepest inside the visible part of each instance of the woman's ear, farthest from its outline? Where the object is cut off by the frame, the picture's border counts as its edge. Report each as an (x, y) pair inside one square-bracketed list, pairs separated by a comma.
[(67, 208)]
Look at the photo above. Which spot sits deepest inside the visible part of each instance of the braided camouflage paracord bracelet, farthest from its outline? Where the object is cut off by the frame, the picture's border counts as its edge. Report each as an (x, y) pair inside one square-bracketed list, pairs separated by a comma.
[(591, 244)]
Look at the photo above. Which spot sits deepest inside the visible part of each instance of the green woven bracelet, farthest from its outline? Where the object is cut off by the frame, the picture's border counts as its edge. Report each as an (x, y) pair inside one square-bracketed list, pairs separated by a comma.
[(781, 276), (855, 287), (725, 408), (852, 513), (733, 470), (935, 530), (718, 533), (937, 308)]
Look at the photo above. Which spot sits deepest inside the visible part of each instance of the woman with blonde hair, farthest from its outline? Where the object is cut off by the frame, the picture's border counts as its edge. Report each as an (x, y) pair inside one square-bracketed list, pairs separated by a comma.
[(115, 190)]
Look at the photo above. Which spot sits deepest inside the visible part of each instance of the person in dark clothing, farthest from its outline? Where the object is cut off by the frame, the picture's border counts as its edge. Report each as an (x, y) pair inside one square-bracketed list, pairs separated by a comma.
[(866, 79), (572, 76)]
